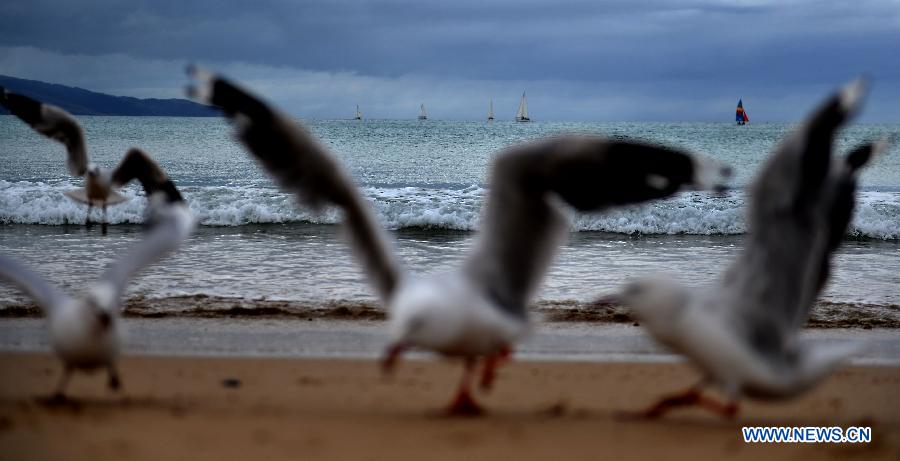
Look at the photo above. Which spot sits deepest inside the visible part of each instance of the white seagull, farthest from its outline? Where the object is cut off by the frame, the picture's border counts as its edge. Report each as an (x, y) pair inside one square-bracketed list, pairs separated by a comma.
[(743, 332), (56, 123), (84, 330), (479, 310)]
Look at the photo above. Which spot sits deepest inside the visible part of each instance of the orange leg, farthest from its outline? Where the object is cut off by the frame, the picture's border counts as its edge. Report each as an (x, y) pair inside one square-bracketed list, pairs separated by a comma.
[(463, 404), (691, 397), (491, 363), (391, 356)]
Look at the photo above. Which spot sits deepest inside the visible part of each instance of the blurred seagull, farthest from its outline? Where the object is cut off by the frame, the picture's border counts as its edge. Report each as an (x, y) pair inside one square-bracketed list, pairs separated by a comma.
[(84, 330), (55, 123), (743, 333), (478, 311)]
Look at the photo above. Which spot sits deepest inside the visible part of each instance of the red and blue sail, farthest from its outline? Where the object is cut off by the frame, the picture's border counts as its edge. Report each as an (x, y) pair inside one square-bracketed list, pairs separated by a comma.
[(740, 116)]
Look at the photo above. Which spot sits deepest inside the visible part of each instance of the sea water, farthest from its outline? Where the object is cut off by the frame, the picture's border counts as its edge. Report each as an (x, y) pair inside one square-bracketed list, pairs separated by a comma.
[(426, 181)]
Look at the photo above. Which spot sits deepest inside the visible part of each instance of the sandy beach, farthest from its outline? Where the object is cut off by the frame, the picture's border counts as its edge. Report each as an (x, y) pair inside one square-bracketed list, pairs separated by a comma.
[(180, 408), (247, 211)]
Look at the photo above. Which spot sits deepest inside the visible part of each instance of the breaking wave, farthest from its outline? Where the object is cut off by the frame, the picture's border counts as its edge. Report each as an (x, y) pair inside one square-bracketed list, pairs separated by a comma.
[(877, 213)]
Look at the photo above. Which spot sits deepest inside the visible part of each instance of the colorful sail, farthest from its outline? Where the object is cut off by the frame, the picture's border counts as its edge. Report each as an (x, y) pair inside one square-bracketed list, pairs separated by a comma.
[(740, 116)]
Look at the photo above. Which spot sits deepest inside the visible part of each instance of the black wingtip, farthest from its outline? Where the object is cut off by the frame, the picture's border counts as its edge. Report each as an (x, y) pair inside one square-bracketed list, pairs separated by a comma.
[(231, 98), (137, 164), (171, 192), (862, 155), (859, 157), (27, 109)]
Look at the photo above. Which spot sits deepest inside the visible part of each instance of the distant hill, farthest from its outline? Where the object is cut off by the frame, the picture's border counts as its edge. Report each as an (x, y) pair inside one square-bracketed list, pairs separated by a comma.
[(83, 102)]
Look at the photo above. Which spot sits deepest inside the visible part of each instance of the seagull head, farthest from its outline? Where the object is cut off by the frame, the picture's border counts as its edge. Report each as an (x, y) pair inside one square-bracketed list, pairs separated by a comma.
[(98, 305), (424, 314), (93, 171), (657, 302), (98, 179)]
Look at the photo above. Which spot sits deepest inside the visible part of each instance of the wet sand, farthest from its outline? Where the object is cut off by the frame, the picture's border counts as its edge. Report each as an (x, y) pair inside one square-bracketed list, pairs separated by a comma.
[(316, 338), (304, 408)]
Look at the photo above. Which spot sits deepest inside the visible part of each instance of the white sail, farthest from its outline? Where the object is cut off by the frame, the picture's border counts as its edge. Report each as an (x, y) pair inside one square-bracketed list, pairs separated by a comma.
[(522, 113), (491, 110), (423, 115), (358, 113)]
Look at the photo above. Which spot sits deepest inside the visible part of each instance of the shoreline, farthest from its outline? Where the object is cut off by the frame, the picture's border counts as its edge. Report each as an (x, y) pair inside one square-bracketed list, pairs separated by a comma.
[(824, 315), (365, 339)]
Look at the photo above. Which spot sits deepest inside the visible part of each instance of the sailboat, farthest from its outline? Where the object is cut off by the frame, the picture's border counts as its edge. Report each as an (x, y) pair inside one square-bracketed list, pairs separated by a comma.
[(423, 115), (358, 113), (491, 110), (740, 116), (522, 113)]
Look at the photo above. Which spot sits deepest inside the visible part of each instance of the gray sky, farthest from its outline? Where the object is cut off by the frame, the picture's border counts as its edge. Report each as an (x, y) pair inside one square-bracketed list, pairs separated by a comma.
[(582, 60)]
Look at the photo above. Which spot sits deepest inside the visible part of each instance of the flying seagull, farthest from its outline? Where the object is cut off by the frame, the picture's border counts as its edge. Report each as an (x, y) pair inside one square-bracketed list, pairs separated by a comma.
[(84, 330), (478, 311), (743, 332), (56, 123)]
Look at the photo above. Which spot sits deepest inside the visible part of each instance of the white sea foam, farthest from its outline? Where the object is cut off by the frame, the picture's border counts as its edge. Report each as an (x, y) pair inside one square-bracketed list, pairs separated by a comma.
[(877, 213)]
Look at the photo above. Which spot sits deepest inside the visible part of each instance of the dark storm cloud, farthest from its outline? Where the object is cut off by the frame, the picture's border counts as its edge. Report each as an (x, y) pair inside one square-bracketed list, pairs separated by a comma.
[(534, 40), (717, 47)]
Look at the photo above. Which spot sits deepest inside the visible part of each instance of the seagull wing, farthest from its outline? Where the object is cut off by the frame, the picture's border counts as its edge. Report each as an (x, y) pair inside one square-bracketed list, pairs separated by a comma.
[(52, 122), (170, 222), (522, 227), (138, 165), (837, 209), (300, 164), (43, 292), (774, 282)]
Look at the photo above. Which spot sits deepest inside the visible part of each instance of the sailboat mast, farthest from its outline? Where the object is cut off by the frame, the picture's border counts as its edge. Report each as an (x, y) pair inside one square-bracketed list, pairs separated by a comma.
[(522, 114), (524, 106)]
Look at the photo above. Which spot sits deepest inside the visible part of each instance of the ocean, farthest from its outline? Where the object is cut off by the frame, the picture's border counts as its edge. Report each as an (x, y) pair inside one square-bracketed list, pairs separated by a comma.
[(256, 252)]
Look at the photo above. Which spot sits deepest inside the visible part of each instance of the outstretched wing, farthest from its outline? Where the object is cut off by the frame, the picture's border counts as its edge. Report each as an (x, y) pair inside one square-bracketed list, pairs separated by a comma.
[(773, 284), (837, 209), (170, 222), (521, 227), (300, 164), (52, 122), (138, 165), (44, 294)]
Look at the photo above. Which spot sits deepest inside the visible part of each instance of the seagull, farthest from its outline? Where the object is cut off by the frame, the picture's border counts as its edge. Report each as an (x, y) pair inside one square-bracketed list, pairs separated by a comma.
[(55, 123), (479, 310), (84, 330), (743, 332)]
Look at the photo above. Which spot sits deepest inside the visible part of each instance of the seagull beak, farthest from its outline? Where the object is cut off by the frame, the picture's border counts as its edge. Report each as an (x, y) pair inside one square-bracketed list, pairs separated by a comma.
[(391, 355)]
